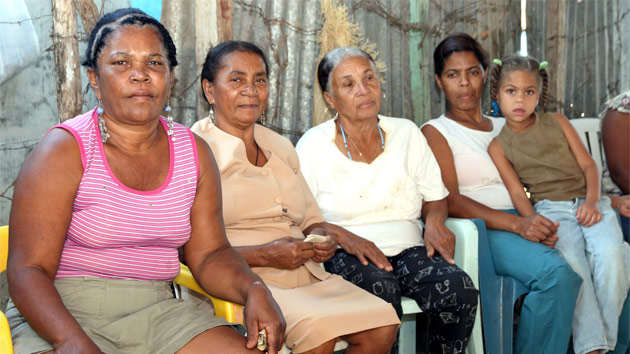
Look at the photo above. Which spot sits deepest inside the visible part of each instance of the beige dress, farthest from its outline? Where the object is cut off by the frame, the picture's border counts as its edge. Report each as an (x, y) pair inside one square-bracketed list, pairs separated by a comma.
[(262, 204)]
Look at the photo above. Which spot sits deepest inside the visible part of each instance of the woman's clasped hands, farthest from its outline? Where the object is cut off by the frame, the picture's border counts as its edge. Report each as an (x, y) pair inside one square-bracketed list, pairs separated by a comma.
[(291, 252)]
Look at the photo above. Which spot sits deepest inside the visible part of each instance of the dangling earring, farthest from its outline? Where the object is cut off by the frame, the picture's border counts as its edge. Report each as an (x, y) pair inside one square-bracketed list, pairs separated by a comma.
[(169, 121), (495, 109), (263, 119), (101, 122), (211, 113)]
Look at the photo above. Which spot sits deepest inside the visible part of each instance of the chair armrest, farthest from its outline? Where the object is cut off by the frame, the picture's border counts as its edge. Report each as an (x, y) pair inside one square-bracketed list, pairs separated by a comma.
[(230, 311), (6, 346), (466, 245)]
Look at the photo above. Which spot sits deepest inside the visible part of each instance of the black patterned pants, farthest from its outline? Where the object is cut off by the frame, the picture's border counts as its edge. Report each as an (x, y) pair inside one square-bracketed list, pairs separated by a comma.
[(442, 290)]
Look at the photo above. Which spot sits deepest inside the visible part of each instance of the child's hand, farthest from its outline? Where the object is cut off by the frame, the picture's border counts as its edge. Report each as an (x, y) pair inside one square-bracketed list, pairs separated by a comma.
[(550, 241), (588, 214)]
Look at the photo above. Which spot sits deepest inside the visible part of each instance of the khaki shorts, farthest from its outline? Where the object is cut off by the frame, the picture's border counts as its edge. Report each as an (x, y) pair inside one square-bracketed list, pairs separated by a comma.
[(122, 316)]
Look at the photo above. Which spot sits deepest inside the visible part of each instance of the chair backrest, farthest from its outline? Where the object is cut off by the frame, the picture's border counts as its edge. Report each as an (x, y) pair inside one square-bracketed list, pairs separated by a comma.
[(589, 131), (4, 247)]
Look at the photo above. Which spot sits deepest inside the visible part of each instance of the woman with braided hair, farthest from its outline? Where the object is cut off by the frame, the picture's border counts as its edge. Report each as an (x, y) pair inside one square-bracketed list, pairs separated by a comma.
[(543, 152), (101, 207), (520, 245)]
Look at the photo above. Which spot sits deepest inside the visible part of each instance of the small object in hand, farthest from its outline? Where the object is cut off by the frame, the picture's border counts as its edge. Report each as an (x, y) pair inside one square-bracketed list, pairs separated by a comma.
[(262, 340), (315, 238)]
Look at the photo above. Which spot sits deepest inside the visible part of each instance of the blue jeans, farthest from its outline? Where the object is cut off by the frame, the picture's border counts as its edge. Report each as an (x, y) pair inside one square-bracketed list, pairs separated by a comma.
[(547, 312), (600, 256)]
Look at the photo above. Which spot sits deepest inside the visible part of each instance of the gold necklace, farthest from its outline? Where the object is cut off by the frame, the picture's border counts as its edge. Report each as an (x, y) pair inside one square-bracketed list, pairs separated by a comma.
[(356, 147)]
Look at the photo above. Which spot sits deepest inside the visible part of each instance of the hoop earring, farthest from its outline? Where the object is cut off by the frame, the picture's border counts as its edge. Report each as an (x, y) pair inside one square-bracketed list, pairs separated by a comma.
[(101, 122), (169, 121), (211, 113)]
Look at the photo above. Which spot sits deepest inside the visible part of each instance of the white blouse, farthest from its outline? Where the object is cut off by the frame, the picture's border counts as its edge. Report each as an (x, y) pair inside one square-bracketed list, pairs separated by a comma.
[(380, 201), (477, 175)]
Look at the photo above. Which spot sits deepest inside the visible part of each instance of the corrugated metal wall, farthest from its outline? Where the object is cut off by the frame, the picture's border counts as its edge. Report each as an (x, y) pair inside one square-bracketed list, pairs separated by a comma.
[(594, 63), (587, 43), (288, 32)]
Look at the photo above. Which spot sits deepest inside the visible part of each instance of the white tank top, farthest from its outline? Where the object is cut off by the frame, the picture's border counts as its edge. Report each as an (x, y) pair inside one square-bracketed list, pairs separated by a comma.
[(477, 175)]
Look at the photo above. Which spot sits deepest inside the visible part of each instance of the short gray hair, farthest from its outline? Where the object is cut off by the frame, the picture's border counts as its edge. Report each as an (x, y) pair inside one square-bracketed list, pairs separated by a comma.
[(330, 61)]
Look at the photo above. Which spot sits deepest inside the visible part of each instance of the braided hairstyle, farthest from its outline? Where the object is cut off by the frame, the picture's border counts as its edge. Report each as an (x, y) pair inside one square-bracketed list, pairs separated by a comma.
[(125, 17), (518, 63)]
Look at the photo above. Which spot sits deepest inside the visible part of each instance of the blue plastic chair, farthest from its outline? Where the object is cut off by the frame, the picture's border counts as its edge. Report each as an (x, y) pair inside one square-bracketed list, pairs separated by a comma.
[(498, 295)]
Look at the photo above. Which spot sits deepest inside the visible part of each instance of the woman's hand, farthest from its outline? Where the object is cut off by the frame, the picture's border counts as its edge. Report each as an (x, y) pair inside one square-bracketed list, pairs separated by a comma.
[(364, 250), (550, 241), (288, 253), (324, 250), (588, 213), (262, 312), (437, 237), (536, 228), (621, 203)]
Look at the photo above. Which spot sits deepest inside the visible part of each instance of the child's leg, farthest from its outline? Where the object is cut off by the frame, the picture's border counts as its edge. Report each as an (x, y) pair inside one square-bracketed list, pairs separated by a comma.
[(588, 325), (609, 258)]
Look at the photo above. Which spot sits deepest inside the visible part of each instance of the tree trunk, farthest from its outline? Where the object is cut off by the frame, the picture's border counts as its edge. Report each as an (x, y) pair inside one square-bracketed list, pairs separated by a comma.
[(88, 13), (66, 50)]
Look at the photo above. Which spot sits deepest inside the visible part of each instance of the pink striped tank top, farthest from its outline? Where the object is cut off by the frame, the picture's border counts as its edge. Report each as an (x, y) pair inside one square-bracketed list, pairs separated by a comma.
[(121, 233)]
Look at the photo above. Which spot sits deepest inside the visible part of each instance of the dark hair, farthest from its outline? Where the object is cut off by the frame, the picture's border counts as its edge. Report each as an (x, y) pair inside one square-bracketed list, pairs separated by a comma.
[(125, 17), (330, 61), (459, 42), (518, 63), (214, 59)]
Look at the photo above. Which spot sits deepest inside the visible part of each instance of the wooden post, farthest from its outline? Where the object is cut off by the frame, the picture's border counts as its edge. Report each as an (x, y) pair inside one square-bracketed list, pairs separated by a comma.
[(206, 36), (66, 51), (225, 11), (88, 13), (556, 51)]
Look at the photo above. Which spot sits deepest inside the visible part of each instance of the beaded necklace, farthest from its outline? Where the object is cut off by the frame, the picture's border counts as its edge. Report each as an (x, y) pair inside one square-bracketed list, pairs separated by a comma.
[(345, 142)]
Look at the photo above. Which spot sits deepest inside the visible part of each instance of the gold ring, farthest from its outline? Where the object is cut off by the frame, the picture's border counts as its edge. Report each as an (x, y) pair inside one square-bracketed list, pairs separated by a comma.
[(262, 340)]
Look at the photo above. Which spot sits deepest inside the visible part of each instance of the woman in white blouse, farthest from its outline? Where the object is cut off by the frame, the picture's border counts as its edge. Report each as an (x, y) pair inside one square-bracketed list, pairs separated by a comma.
[(375, 176)]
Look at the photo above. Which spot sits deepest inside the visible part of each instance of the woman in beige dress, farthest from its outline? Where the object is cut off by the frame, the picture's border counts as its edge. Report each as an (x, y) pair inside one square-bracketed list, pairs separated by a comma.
[(268, 209)]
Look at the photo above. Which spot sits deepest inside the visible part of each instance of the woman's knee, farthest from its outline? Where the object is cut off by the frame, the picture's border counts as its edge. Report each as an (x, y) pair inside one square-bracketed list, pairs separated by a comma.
[(558, 277), (376, 340), (368, 277), (464, 288)]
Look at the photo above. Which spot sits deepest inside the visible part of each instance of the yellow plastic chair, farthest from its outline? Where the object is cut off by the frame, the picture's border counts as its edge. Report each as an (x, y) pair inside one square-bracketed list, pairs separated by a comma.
[(230, 311), (466, 256), (6, 345)]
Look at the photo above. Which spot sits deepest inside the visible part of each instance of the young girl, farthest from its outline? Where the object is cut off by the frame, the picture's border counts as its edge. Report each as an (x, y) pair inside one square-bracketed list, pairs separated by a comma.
[(543, 152)]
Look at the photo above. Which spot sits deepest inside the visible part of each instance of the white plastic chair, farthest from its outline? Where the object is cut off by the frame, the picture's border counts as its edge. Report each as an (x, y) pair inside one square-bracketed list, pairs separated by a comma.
[(589, 130), (467, 258)]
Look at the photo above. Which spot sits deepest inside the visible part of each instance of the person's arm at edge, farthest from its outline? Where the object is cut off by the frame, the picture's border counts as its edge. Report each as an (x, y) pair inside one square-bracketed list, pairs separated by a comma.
[(616, 141), (40, 216)]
